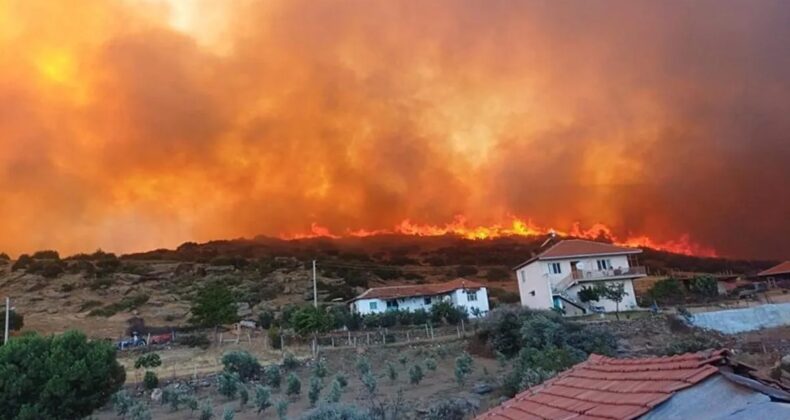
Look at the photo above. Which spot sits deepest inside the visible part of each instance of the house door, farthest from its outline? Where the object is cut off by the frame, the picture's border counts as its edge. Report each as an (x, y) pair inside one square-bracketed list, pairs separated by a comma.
[(575, 269)]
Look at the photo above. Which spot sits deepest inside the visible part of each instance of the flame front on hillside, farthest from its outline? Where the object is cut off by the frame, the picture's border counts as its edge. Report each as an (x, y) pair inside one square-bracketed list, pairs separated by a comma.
[(516, 227)]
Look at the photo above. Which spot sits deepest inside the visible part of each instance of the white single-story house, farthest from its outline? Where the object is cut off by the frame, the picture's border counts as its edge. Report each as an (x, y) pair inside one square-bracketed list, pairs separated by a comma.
[(554, 278), (460, 292)]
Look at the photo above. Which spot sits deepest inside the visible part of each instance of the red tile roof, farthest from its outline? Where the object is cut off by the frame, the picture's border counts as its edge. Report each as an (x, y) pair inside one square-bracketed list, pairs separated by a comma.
[(781, 268), (391, 292), (607, 388), (580, 248)]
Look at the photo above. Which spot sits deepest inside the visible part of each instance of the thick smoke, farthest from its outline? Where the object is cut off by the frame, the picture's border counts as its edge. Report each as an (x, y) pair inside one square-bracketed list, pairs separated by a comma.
[(122, 130)]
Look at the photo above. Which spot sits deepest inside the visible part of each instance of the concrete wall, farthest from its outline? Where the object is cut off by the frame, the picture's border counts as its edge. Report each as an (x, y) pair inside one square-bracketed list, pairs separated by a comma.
[(733, 321), (534, 287)]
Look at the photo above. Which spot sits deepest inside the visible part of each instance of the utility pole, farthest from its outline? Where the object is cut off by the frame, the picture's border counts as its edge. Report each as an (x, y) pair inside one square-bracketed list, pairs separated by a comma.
[(7, 318), (315, 288)]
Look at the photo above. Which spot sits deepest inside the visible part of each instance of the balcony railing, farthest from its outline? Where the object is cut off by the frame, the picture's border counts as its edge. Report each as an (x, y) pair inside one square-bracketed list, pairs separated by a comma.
[(591, 275)]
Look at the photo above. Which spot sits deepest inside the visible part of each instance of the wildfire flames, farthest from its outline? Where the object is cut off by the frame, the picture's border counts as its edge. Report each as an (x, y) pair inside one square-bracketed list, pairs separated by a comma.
[(131, 125), (517, 227)]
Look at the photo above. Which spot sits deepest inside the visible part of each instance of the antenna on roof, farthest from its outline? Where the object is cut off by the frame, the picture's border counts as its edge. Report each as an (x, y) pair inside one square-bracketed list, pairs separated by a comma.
[(551, 237)]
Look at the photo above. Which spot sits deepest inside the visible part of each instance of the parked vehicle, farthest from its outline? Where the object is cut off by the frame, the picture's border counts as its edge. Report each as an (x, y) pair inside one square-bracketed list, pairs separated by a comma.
[(161, 338), (135, 341)]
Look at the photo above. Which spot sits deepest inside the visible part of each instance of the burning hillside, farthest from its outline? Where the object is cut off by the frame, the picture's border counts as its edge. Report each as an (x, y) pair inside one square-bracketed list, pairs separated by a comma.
[(137, 124)]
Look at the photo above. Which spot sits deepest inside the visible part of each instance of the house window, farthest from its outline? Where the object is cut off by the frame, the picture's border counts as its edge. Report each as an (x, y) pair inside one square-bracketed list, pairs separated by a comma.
[(427, 300), (554, 268), (604, 264), (471, 296), (392, 304), (374, 306)]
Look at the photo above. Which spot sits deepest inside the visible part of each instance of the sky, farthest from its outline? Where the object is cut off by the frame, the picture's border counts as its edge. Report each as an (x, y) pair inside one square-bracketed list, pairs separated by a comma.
[(136, 124)]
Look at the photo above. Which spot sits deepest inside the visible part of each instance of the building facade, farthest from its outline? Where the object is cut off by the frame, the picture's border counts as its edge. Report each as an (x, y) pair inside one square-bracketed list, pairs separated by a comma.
[(554, 278), (460, 292)]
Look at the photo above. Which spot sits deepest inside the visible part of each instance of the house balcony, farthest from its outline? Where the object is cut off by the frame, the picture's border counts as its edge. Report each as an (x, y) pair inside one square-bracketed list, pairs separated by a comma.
[(581, 276)]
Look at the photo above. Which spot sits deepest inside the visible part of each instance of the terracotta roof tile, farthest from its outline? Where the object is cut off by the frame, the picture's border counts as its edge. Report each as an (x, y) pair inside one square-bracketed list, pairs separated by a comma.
[(579, 247), (391, 292), (781, 268), (608, 388)]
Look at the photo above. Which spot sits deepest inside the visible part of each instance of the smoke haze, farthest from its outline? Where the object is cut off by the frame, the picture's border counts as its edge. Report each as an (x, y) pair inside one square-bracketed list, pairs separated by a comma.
[(131, 125)]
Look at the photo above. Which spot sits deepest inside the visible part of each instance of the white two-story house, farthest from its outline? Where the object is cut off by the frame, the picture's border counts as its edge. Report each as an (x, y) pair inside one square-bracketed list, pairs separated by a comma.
[(460, 292), (554, 278)]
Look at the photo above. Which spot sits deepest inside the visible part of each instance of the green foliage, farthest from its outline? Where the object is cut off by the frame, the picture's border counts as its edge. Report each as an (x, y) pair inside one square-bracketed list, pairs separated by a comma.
[(339, 412), (403, 359), (206, 410), (122, 402), (148, 360), (139, 411), (282, 409), (341, 379), (463, 367), (415, 374), (614, 292), (690, 344), (228, 384), (450, 409), (38, 374), (214, 305), (430, 364), (15, 321), (363, 365), (22, 263), (263, 398), (310, 319), (228, 413), (370, 383), (265, 319), (150, 381), (272, 376), (589, 294), (314, 390), (47, 254), (392, 373), (319, 368), (242, 363), (274, 338), (293, 386), (447, 312), (290, 362), (175, 396), (244, 396), (335, 392), (705, 287), (667, 291)]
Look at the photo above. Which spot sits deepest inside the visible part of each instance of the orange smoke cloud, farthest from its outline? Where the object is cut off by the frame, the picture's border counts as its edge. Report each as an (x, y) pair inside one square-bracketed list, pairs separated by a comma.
[(136, 124)]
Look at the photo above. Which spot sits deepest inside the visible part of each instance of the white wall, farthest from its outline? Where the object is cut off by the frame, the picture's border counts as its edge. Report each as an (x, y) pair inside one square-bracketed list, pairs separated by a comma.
[(533, 287), (629, 300), (457, 297)]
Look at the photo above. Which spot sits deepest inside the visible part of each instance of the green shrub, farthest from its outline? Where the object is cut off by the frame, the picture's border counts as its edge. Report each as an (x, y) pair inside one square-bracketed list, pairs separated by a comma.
[(338, 412), (415, 374), (341, 379), (244, 396), (15, 322), (206, 410), (228, 413), (214, 305), (150, 381), (293, 386), (430, 364), (335, 392), (667, 291), (275, 338), (319, 368), (195, 340), (148, 360), (262, 398), (272, 376), (22, 263), (705, 287), (392, 373), (242, 363), (363, 366), (450, 409), (46, 255), (282, 409), (370, 383), (314, 390), (122, 402), (290, 362), (33, 369), (463, 367), (691, 344), (228, 384), (139, 411), (265, 319)]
